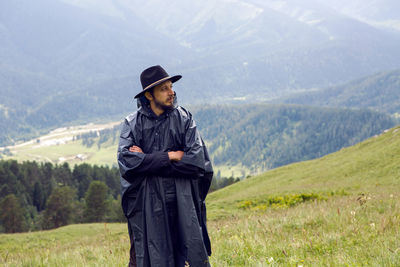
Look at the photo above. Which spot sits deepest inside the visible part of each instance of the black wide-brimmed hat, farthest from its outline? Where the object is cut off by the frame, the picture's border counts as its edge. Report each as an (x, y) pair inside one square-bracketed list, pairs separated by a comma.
[(153, 76)]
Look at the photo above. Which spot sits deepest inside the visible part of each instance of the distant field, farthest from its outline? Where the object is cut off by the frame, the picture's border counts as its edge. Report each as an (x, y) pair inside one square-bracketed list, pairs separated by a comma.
[(59, 146), (339, 210)]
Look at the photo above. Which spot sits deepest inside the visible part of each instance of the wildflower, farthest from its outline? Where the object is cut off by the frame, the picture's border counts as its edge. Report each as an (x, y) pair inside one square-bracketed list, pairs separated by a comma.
[(271, 260), (391, 195), (353, 212), (372, 225)]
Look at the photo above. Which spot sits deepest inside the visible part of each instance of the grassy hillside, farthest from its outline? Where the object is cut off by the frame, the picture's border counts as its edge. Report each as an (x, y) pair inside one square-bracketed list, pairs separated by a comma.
[(370, 166), (352, 221)]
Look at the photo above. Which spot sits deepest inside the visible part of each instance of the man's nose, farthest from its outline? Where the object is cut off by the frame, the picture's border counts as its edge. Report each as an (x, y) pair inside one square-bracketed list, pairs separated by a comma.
[(171, 91)]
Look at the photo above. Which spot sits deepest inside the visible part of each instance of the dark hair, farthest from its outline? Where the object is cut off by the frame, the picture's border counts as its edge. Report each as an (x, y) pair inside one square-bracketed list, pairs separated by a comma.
[(151, 91), (142, 101)]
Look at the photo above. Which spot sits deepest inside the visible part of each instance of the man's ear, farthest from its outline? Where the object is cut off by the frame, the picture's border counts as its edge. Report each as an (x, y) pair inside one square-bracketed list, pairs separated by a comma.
[(148, 96)]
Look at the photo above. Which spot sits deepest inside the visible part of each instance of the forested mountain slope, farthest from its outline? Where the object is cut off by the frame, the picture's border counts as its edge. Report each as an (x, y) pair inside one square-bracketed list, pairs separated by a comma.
[(267, 136)]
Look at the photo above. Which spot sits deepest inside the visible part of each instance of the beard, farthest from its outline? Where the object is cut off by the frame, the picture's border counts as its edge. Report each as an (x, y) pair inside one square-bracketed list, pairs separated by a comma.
[(162, 106)]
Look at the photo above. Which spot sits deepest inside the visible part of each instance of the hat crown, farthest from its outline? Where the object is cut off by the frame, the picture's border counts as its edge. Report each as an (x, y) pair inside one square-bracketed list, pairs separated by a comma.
[(152, 75)]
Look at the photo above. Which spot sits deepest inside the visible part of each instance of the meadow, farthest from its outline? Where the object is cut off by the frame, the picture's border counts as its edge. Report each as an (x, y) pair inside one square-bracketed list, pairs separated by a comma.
[(339, 210), (336, 232)]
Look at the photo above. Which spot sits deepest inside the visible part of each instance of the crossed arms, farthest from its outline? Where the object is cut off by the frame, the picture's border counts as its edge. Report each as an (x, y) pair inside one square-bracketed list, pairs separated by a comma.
[(135, 164), (172, 155)]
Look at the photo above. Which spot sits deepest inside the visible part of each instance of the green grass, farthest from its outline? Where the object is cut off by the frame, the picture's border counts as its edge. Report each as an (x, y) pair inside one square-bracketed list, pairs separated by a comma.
[(339, 210), (73, 245), (337, 232)]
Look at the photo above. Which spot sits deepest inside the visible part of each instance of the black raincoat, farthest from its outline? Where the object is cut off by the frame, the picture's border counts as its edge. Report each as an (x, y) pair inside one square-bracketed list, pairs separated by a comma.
[(163, 200)]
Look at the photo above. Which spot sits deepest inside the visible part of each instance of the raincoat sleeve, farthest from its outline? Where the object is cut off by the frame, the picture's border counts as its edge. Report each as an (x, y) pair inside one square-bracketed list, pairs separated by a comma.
[(134, 165), (194, 162)]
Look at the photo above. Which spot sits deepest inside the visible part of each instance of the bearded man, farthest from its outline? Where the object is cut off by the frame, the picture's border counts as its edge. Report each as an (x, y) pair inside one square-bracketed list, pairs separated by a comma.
[(165, 176)]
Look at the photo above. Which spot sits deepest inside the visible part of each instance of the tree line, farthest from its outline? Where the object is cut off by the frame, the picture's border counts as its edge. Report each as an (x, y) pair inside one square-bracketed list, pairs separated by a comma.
[(36, 196)]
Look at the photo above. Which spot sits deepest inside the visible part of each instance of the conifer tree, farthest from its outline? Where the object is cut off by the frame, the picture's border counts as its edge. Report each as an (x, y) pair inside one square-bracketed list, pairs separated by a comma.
[(96, 201), (59, 207), (11, 214), (38, 197)]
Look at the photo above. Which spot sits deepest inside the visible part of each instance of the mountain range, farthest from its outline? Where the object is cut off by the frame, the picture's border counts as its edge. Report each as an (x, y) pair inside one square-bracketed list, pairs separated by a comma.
[(67, 61)]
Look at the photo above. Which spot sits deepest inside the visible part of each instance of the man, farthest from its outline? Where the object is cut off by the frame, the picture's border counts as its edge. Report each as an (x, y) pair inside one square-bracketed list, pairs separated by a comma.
[(165, 176)]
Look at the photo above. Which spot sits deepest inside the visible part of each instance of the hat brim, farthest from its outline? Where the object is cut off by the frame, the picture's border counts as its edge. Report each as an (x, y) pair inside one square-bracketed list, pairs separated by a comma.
[(172, 79)]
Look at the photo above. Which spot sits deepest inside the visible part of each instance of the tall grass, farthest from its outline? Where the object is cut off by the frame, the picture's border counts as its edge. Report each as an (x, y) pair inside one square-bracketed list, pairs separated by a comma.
[(73, 245), (341, 231)]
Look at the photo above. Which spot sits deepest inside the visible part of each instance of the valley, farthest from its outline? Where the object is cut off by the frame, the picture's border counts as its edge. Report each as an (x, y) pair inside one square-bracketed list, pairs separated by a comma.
[(265, 136)]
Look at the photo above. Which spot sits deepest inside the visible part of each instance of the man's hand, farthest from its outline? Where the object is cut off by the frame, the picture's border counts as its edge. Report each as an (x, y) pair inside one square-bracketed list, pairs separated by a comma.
[(175, 155), (135, 149)]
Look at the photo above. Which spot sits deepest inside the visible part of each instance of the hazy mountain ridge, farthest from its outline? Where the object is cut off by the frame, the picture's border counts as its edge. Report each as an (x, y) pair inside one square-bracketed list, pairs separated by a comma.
[(379, 13), (378, 92), (248, 37)]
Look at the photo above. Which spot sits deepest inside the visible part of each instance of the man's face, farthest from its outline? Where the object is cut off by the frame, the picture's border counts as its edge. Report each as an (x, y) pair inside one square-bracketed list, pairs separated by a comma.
[(163, 95)]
